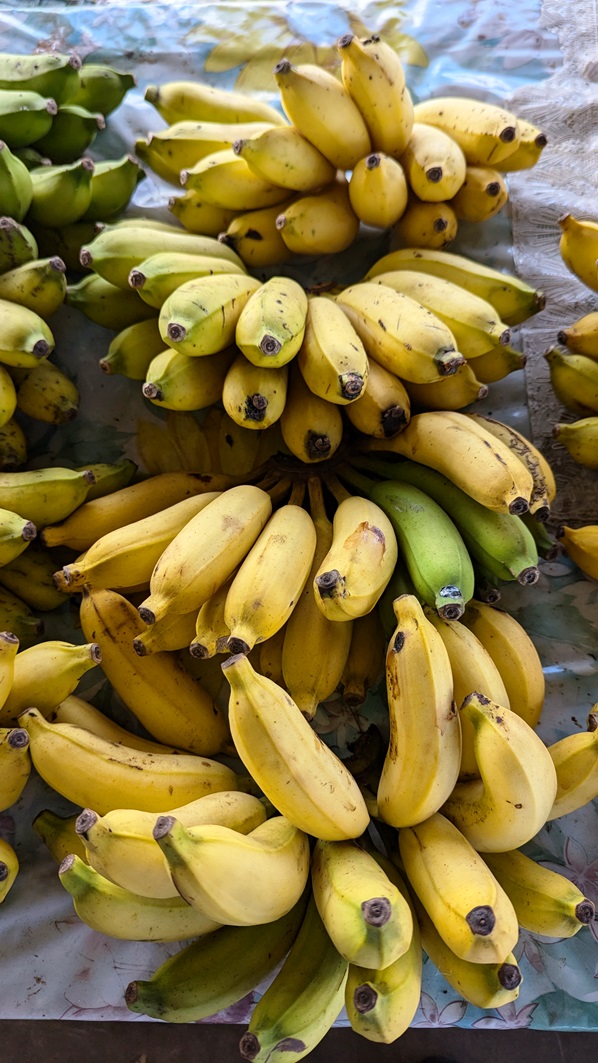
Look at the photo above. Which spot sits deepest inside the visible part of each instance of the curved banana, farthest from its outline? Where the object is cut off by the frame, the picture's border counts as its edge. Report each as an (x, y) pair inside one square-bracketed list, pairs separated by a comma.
[(121, 847), (383, 408), (575, 759), (9, 868), (211, 631), (483, 194), (452, 393), (434, 164), (17, 186), (88, 769), (74, 709), (44, 495), (117, 913), (46, 674), (226, 180), (546, 902), (9, 646), (61, 193), (498, 363), (15, 764), (512, 800), (485, 132), (532, 142), (73, 131), (8, 396), (422, 224), (373, 74), (378, 190), (200, 317), (284, 157), (17, 244), (156, 277), (183, 144), (580, 438), (578, 247), (55, 74), (302, 777), (331, 357), (25, 116), (197, 216), (176, 101), (319, 223), (46, 393), (581, 337), (19, 622), (254, 237), (465, 903), (107, 305), (311, 427), (270, 327), (131, 351), (544, 490), (574, 380), (113, 182), (420, 349), (16, 533), (40, 285), (172, 632), (58, 834), (175, 381), (26, 338)]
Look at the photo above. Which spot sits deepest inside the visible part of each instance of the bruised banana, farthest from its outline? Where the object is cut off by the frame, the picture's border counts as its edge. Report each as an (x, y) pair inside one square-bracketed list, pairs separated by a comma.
[(271, 325), (39, 285), (374, 77), (575, 759), (331, 357), (546, 901), (544, 490)]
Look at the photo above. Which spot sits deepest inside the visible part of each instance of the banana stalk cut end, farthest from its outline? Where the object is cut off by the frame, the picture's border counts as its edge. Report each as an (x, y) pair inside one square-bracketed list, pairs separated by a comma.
[(330, 584), (509, 976), (376, 911), (28, 531), (249, 1046), (146, 615), (481, 920), (85, 821), (18, 738), (3, 871), (529, 576), (585, 911), (393, 420), (518, 506), (162, 827), (365, 998)]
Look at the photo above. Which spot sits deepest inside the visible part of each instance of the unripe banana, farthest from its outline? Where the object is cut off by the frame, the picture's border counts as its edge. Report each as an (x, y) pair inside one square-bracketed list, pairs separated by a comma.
[(383, 408), (255, 238), (422, 224), (61, 194), (132, 350), (484, 131), (46, 674), (321, 223), (54, 74), (106, 304), (24, 116), (109, 476), (48, 394), (113, 182), (581, 545), (16, 185), (73, 130), (253, 395), (201, 316), (40, 285), (270, 327), (284, 157), (176, 101), (197, 216), (580, 439), (226, 180), (312, 427), (574, 380), (579, 248), (102, 88), (177, 382), (44, 495), (26, 338), (434, 164), (373, 74), (483, 193), (17, 244), (378, 190)]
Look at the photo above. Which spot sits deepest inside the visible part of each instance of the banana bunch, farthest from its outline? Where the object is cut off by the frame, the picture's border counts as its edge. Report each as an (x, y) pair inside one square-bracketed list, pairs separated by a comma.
[(571, 376)]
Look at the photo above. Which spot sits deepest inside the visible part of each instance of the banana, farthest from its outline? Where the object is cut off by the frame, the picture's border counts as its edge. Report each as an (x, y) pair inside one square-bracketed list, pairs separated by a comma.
[(116, 250), (513, 299), (364, 665), (282, 156), (420, 349), (276, 744), (74, 709), (16, 533), (132, 350), (73, 130), (182, 145), (46, 393), (165, 698), (102, 515), (433, 226), (233, 878), (53, 73), (378, 190), (455, 392), (170, 633), (309, 94), (574, 380), (383, 408), (30, 577), (226, 180), (360, 561), (9, 868), (121, 847), (578, 248), (85, 768), (314, 649), (107, 305), (511, 801), (270, 328), (580, 439), (364, 912), (198, 216), (109, 476), (31, 157), (472, 321), (374, 77), (500, 542), (44, 495), (498, 363), (311, 427), (102, 88), (211, 631), (301, 1004), (180, 444), (215, 971), (200, 317), (65, 242), (270, 579), (254, 237), (9, 645), (26, 338), (117, 913), (175, 381), (575, 759), (581, 545), (39, 285), (123, 558), (16, 184), (15, 762), (483, 194), (17, 244), (58, 834), (434, 164), (469, 909), (177, 101), (320, 223), (546, 902), (113, 182), (485, 985), (46, 674), (18, 620), (61, 194), (25, 116), (332, 358), (484, 131), (459, 448), (581, 337), (546, 544), (434, 551), (532, 142), (544, 490), (252, 395), (158, 276)]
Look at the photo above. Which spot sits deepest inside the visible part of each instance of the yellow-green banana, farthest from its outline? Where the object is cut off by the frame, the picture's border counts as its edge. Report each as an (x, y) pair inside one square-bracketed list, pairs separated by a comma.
[(17, 244), (25, 116), (26, 338), (374, 77), (113, 182), (175, 381), (546, 902), (61, 194), (46, 393), (30, 577), (378, 190), (39, 285), (46, 674), (200, 317), (106, 304), (73, 131), (16, 532), (16, 184), (55, 74), (101, 87), (132, 350), (158, 276), (44, 495)]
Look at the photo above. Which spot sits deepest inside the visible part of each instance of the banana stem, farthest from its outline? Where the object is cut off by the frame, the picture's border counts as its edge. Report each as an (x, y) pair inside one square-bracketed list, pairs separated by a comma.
[(297, 493), (384, 469), (336, 488), (361, 483), (317, 506)]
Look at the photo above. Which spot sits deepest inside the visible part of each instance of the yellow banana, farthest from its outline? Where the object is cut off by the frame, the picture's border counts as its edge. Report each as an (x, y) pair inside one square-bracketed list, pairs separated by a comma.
[(74, 709), (200, 317), (211, 631), (511, 801), (282, 156), (581, 545), (453, 393), (176, 101), (9, 646), (580, 438), (546, 902), (422, 224), (485, 132), (107, 305), (15, 762), (575, 759), (197, 216), (157, 276), (120, 845), (226, 180), (294, 768), (85, 768), (383, 408), (185, 142), (434, 164), (172, 632), (131, 351), (58, 834), (483, 193), (39, 285), (254, 237), (270, 327), (544, 490), (498, 363), (332, 358), (48, 394), (253, 395), (467, 906), (574, 380), (268, 659), (46, 674), (311, 427), (532, 142), (319, 223), (578, 247), (165, 698), (378, 190), (9, 868), (26, 338), (581, 337), (16, 533), (373, 74), (175, 381), (236, 448), (365, 662)]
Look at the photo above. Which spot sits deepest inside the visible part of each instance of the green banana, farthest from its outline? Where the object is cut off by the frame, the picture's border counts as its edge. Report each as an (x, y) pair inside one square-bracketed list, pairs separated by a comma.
[(109, 476), (16, 533), (72, 132), (24, 116), (61, 194), (65, 241), (131, 351), (29, 576), (16, 189), (52, 74), (102, 88), (17, 244), (113, 182), (102, 302), (25, 338)]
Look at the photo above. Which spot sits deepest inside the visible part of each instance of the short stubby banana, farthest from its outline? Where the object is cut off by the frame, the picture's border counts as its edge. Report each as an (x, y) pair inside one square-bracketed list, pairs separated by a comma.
[(321, 222), (579, 248), (580, 438), (384, 407), (532, 142), (332, 358), (373, 74), (271, 324), (378, 190), (254, 396), (225, 180), (311, 427), (484, 131), (483, 193), (546, 901)]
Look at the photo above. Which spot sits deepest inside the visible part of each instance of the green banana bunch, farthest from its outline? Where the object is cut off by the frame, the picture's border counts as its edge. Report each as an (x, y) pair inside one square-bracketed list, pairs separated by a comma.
[(106, 304), (546, 902), (101, 87), (16, 189), (39, 285), (113, 182), (50, 73), (61, 194), (17, 244), (73, 131), (25, 116), (45, 495)]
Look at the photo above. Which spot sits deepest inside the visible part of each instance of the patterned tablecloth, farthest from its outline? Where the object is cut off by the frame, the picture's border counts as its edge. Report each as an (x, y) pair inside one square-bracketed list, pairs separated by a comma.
[(503, 50)]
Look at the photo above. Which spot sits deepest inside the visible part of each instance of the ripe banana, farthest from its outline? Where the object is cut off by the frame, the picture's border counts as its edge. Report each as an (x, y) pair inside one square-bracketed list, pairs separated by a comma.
[(233, 878), (200, 317), (373, 74), (469, 909), (378, 190), (320, 223), (176, 101), (215, 971), (546, 902), (498, 363), (26, 338), (360, 561), (85, 768), (383, 408), (513, 299), (15, 764), (575, 759), (172, 632), (399, 333), (311, 427), (16, 533), (295, 769), (183, 144), (434, 164), (483, 193), (254, 237), (485, 132), (211, 632), (197, 216), (115, 912), (580, 438), (364, 666), (532, 142), (55, 74), (581, 545), (157, 276), (107, 305), (574, 380), (425, 225), (581, 337), (452, 393), (17, 187), (309, 94), (511, 801), (131, 351), (9, 868), (58, 834), (74, 709), (172, 706), (331, 357), (282, 156), (544, 490), (46, 393), (18, 620), (270, 327), (46, 674), (578, 247), (8, 397), (175, 381), (121, 847), (226, 180), (254, 396), (9, 646)]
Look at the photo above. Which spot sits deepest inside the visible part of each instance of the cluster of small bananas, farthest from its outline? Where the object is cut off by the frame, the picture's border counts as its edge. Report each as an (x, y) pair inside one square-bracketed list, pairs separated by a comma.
[(355, 150)]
